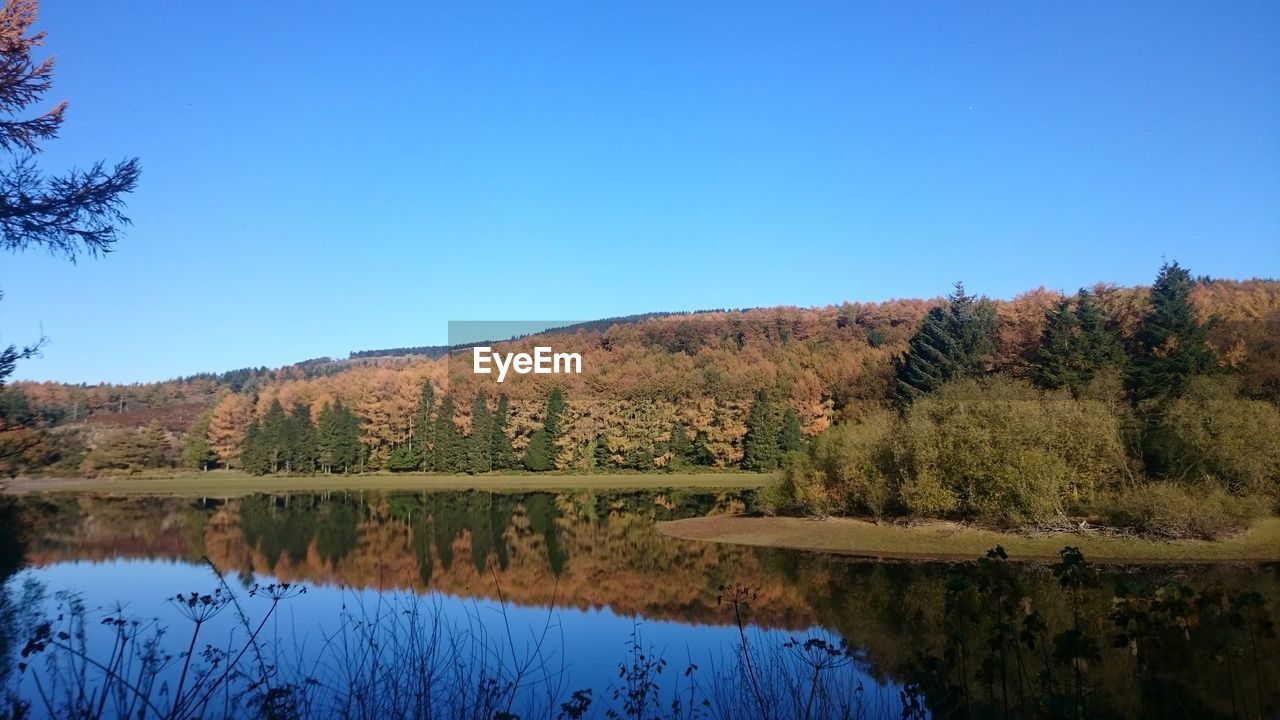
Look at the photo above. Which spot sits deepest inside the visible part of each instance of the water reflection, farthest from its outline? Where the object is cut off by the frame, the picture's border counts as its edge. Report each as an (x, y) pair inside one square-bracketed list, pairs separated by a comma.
[(982, 639)]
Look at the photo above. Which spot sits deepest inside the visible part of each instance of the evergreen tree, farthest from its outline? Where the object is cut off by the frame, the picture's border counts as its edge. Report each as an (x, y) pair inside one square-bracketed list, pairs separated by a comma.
[(301, 440), (538, 455), (155, 441), (196, 453), (449, 453), (1060, 355), (790, 439), (600, 456), (1171, 344), (403, 459), (1102, 346), (351, 452), (953, 342), (480, 443), (760, 446), (501, 452), (544, 449), (338, 438), (326, 438), (1075, 344), (422, 439), (555, 416), (255, 458), (274, 434), (678, 445), (702, 454)]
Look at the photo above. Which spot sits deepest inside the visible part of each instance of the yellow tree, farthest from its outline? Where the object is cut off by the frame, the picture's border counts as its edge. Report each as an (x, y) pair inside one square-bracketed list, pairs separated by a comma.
[(231, 416)]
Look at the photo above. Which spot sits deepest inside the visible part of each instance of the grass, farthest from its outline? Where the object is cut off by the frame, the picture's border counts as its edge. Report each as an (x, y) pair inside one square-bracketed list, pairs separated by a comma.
[(947, 540), (224, 484)]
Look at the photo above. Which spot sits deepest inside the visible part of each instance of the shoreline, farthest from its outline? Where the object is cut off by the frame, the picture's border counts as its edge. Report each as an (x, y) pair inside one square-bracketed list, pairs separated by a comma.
[(951, 541), (224, 484)]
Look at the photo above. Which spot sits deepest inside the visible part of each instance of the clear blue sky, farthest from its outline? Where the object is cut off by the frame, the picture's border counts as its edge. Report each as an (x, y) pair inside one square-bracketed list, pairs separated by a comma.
[(323, 177)]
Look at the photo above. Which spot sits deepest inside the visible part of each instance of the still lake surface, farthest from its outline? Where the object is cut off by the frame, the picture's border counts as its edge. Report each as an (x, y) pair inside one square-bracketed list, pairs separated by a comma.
[(544, 594)]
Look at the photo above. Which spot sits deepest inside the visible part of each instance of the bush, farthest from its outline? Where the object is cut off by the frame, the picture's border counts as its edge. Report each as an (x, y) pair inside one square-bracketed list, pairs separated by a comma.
[(1176, 511), (999, 450), (1211, 434), (849, 469)]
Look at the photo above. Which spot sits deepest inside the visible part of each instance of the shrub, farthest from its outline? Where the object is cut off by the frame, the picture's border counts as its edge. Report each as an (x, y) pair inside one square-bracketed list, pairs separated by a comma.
[(849, 469), (1211, 434), (1176, 511), (1000, 450)]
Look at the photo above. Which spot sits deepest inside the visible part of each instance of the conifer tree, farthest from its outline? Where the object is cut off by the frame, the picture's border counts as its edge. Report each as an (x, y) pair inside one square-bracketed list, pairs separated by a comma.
[(679, 445), (791, 438), (600, 456), (702, 454), (449, 452), (255, 458), (480, 442), (953, 342), (423, 435), (538, 455), (1102, 346), (1171, 344), (301, 440), (1075, 344), (760, 446), (196, 453), (543, 449), (274, 433), (403, 459), (555, 416), (502, 453), (1060, 356), (338, 438)]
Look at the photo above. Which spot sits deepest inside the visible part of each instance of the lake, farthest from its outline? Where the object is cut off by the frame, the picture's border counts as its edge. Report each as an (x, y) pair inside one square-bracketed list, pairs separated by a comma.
[(572, 604)]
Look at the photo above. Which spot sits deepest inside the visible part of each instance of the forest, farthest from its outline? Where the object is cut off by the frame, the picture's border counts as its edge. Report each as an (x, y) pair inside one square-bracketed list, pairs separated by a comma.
[(1151, 408)]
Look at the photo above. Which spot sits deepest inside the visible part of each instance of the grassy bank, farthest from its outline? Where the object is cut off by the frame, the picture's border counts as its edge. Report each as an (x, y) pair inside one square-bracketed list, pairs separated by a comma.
[(234, 484), (946, 540)]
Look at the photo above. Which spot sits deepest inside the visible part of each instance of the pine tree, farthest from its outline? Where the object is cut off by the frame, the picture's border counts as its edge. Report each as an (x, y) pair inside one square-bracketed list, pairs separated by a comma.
[(402, 459), (760, 446), (338, 438), (423, 435), (502, 453), (1171, 344), (544, 450), (555, 416), (791, 438), (255, 457), (480, 442), (1075, 345), (274, 436), (449, 452), (702, 454), (300, 440), (537, 455), (326, 438), (953, 342), (1102, 347), (678, 444), (196, 453), (155, 441), (1060, 356), (601, 458)]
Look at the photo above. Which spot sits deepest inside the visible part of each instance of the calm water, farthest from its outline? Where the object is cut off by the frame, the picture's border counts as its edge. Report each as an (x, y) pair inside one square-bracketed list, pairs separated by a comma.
[(544, 594)]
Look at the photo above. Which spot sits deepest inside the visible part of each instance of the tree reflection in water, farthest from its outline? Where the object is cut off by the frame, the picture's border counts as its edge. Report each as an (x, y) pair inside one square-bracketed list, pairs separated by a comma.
[(987, 638)]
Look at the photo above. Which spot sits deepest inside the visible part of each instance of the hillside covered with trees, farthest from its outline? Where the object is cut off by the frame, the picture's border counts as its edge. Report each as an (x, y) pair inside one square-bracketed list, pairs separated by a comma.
[(871, 407)]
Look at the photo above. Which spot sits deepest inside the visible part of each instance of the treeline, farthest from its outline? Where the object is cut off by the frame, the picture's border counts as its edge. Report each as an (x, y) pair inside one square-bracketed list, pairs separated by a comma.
[(716, 389), (1144, 431)]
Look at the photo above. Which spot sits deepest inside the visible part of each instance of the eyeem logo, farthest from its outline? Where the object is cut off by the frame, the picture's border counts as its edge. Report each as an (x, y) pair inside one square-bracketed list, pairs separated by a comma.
[(542, 362)]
